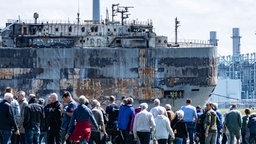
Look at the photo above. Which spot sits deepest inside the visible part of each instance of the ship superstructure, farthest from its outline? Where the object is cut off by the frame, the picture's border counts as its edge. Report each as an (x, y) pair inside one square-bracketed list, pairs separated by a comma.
[(86, 34), (102, 58)]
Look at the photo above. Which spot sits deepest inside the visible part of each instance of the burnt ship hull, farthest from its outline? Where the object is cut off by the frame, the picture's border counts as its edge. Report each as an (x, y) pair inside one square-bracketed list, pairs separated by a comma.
[(171, 74)]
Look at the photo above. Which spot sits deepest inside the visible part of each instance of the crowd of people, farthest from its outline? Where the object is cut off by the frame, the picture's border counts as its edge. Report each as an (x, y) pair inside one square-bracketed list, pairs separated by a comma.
[(31, 120)]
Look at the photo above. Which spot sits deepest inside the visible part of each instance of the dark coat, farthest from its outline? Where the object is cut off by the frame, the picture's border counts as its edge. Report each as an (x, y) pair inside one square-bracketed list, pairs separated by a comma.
[(252, 124), (7, 118), (53, 116), (33, 115)]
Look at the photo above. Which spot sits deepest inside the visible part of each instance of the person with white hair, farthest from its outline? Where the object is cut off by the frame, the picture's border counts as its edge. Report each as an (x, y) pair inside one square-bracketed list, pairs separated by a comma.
[(16, 111), (180, 128), (163, 128), (171, 116), (81, 131), (155, 110), (53, 117), (7, 119), (22, 103), (98, 115), (143, 125), (170, 113)]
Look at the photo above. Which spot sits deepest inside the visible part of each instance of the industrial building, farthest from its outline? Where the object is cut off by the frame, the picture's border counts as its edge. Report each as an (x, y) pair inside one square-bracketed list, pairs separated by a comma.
[(236, 75)]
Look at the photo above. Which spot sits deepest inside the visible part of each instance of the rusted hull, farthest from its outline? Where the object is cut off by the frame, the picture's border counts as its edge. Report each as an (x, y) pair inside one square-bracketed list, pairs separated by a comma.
[(141, 73)]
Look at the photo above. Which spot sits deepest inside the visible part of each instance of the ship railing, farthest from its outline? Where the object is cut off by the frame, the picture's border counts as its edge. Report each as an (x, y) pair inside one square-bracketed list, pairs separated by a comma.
[(136, 22), (29, 21), (82, 22), (191, 43)]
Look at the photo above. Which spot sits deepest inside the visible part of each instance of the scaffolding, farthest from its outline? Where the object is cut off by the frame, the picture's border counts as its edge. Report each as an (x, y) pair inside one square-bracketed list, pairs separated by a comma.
[(241, 67)]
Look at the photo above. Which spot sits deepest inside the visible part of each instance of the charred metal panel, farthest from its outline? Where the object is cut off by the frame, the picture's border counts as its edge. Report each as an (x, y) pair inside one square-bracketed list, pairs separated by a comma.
[(49, 73), (45, 42), (95, 72), (17, 29), (13, 58), (132, 43)]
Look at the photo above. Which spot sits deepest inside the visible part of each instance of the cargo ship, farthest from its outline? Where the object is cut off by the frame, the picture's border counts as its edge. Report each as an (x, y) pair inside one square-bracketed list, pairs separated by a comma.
[(99, 58)]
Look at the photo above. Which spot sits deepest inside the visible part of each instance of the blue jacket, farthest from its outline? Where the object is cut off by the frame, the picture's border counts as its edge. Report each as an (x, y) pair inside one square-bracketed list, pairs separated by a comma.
[(7, 118), (219, 126), (252, 125), (125, 116), (72, 105), (81, 113)]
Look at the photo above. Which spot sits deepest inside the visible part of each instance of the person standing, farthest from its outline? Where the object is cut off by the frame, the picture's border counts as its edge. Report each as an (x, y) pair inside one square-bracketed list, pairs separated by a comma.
[(112, 111), (225, 131), (137, 110), (81, 115), (124, 119), (7, 119), (163, 129), (33, 118), (22, 103), (67, 114), (200, 128), (244, 130), (252, 128), (170, 113), (211, 122), (190, 117), (143, 125), (98, 115), (16, 111), (155, 110), (43, 127), (53, 120), (180, 128), (219, 126), (233, 121), (171, 116), (197, 127)]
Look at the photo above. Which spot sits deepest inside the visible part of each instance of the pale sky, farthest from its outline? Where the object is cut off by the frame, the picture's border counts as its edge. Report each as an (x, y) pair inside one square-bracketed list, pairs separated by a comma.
[(197, 17)]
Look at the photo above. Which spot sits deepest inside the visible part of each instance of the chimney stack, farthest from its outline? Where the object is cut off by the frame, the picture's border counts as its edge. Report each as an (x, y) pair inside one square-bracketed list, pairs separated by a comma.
[(213, 38), (96, 11), (236, 42)]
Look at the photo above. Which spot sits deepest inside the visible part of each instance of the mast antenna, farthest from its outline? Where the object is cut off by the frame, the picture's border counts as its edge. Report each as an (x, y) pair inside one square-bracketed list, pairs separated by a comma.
[(78, 12), (176, 30), (107, 15), (114, 10)]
